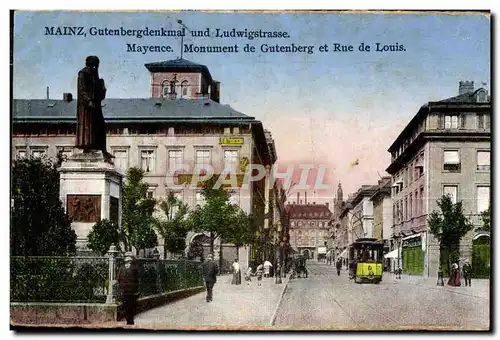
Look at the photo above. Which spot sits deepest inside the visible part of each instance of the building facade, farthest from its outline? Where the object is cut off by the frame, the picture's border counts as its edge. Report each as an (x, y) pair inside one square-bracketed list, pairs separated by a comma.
[(309, 228), (180, 132), (382, 216), (444, 149)]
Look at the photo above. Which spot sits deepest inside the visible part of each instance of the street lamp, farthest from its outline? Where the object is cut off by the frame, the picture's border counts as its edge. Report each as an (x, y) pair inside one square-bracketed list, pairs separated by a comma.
[(182, 36)]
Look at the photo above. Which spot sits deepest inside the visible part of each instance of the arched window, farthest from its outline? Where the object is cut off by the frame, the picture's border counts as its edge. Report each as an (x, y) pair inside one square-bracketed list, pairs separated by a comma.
[(184, 89), (165, 88)]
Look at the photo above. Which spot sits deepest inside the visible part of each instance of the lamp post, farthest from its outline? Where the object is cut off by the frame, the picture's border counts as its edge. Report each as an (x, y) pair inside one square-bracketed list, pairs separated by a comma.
[(182, 36), (440, 281)]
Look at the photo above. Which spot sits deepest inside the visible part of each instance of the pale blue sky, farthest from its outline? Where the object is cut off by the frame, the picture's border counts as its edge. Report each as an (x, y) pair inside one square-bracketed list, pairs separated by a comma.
[(307, 101)]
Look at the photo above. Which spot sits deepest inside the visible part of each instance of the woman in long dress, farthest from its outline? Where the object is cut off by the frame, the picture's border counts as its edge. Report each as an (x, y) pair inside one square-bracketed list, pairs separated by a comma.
[(454, 279), (236, 273)]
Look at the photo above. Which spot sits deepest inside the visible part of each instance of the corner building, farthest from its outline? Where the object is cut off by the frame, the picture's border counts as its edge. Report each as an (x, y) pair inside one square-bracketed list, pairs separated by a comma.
[(444, 149)]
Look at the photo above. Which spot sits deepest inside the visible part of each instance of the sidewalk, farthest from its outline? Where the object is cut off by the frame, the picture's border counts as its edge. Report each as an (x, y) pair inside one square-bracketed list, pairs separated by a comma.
[(244, 306), (480, 287)]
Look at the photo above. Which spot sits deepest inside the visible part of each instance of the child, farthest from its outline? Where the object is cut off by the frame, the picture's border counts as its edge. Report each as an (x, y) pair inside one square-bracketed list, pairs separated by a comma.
[(248, 275)]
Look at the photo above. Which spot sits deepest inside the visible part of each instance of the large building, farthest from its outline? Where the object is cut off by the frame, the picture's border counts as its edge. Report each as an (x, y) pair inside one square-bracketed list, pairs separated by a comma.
[(309, 228), (444, 149), (382, 215), (182, 123)]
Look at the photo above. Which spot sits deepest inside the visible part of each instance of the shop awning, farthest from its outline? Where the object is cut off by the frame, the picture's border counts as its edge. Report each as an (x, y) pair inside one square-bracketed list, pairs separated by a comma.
[(343, 254), (411, 236), (393, 254)]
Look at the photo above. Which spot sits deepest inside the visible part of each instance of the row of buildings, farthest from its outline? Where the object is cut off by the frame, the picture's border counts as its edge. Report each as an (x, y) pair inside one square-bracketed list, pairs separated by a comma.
[(182, 123), (443, 150)]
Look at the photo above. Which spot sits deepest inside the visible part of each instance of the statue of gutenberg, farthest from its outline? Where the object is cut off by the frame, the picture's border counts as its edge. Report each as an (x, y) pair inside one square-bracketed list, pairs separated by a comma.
[(90, 127)]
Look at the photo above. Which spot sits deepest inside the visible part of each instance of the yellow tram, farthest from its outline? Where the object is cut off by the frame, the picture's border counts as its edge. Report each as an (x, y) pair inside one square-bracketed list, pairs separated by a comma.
[(367, 254)]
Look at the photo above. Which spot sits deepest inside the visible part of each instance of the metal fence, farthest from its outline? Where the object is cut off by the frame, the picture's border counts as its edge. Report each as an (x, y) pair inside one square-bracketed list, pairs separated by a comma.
[(87, 279)]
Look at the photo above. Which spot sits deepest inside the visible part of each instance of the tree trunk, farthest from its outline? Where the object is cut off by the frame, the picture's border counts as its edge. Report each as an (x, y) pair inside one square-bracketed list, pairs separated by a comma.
[(211, 242), (164, 248), (220, 256)]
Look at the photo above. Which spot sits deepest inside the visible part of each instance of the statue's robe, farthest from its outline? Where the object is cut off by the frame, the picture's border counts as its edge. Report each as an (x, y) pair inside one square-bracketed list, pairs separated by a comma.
[(90, 129)]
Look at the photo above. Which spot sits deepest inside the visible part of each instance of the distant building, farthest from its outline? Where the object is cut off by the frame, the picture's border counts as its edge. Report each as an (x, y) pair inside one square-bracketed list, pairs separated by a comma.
[(182, 123), (444, 149), (382, 215), (309, 228)]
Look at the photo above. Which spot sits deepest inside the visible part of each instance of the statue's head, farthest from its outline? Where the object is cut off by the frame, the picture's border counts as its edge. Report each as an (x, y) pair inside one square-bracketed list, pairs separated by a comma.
[(92, 61)]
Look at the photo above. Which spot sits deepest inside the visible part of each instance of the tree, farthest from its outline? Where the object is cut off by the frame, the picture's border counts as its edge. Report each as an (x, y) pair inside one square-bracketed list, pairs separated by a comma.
[(218, 216), (138, 209), (173, 227), (39, 225), (486, 219), (449, 226), (195, 250), (103, 235)]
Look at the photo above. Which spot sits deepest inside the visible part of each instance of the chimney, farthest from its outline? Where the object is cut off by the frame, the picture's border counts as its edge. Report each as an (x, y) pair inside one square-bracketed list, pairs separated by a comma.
[(215, 91), (47, 92), (305, 197), (67, 97), (298, 198), (465, 87)]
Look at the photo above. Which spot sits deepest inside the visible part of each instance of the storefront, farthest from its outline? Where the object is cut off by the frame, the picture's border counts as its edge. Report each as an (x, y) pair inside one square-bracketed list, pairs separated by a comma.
[(413, 255)]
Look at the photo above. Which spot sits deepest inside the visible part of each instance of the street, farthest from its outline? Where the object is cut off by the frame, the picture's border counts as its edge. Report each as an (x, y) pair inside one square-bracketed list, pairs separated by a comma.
[(327, 301)]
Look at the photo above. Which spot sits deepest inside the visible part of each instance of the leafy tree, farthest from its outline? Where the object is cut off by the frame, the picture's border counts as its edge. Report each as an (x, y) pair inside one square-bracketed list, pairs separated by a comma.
[(39, 225), (103, 235), (486, 219), (137, 215), (449, 226), (173, 227), (219, 217)]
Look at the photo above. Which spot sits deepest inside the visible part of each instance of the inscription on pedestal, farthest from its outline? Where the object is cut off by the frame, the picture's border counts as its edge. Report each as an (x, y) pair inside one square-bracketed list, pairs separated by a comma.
[(113, 209), (84, 208)]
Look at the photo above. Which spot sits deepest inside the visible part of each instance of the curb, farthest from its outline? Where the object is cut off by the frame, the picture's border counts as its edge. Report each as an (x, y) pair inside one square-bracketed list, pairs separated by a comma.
[(275, 314)]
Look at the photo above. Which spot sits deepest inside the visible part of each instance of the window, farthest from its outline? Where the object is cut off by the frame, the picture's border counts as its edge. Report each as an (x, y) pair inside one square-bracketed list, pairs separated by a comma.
[(452, 191), (21, 153), (200, 199), (480, 121), (148, 160), (406, 209), (202, 158), (175, 159), (451, 122), (234, 197), (37, 153), (483, 198), (451, 161), (150, 193), (417, 204), (166, 88), (312, 223), (483, 160), (411, 171), (299, 223), (421, 212), (410, 209), (184, 88), (121, 159), (293, 224), (231, 160)]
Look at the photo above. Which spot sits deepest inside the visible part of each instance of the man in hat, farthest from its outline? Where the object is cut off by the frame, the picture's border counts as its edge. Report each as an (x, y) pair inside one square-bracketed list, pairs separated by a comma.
[(210, 271), (467, 271), (128, 280)]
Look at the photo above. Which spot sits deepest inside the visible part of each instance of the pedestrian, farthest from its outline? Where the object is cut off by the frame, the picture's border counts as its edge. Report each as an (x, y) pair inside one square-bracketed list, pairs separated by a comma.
[(236, 273), (467, 272), (128, 280), (260, 272), (267, 268), (454, 279), (210, 271), (248, 275), (339, 266)]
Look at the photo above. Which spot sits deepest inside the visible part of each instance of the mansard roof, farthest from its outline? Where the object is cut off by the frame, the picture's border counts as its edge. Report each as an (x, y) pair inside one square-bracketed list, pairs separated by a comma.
[(178, 65), (308, 211)]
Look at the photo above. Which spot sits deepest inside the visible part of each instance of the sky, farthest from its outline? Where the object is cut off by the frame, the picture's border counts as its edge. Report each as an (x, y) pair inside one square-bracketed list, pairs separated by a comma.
[(326, 108)]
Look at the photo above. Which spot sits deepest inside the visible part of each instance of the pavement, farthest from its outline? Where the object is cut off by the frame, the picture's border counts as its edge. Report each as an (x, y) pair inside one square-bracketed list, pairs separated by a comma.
[(233, 307), (325, 301)]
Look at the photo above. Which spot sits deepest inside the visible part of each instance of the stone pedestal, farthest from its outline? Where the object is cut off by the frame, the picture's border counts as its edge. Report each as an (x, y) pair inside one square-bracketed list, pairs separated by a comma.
[(91, 190)]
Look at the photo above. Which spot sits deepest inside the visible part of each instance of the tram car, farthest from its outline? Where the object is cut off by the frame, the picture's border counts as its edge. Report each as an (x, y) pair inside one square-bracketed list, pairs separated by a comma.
[(366, 258)]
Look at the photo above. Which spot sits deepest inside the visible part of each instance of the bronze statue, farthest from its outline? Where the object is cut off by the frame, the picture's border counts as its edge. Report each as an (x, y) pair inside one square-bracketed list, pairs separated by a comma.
[(90, 129)]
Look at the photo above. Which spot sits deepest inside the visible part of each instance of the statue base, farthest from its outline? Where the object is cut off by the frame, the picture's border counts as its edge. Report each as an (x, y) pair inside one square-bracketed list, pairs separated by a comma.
[(90, 190)]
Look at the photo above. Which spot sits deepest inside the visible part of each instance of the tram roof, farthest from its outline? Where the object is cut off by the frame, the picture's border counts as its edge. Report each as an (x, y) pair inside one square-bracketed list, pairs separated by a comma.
[(368, 240)]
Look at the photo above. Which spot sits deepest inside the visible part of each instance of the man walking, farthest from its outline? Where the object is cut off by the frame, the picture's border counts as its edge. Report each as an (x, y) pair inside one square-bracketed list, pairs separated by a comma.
[(467, 272), (210, 272), (339, 266), (128, 280)]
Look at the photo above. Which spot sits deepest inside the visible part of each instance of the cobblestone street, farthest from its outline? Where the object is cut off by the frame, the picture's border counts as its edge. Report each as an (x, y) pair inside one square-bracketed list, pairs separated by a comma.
[(327, 301)]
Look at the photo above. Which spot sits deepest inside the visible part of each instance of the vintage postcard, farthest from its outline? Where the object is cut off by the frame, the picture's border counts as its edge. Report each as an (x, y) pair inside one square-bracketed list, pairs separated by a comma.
[(251, 170)]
